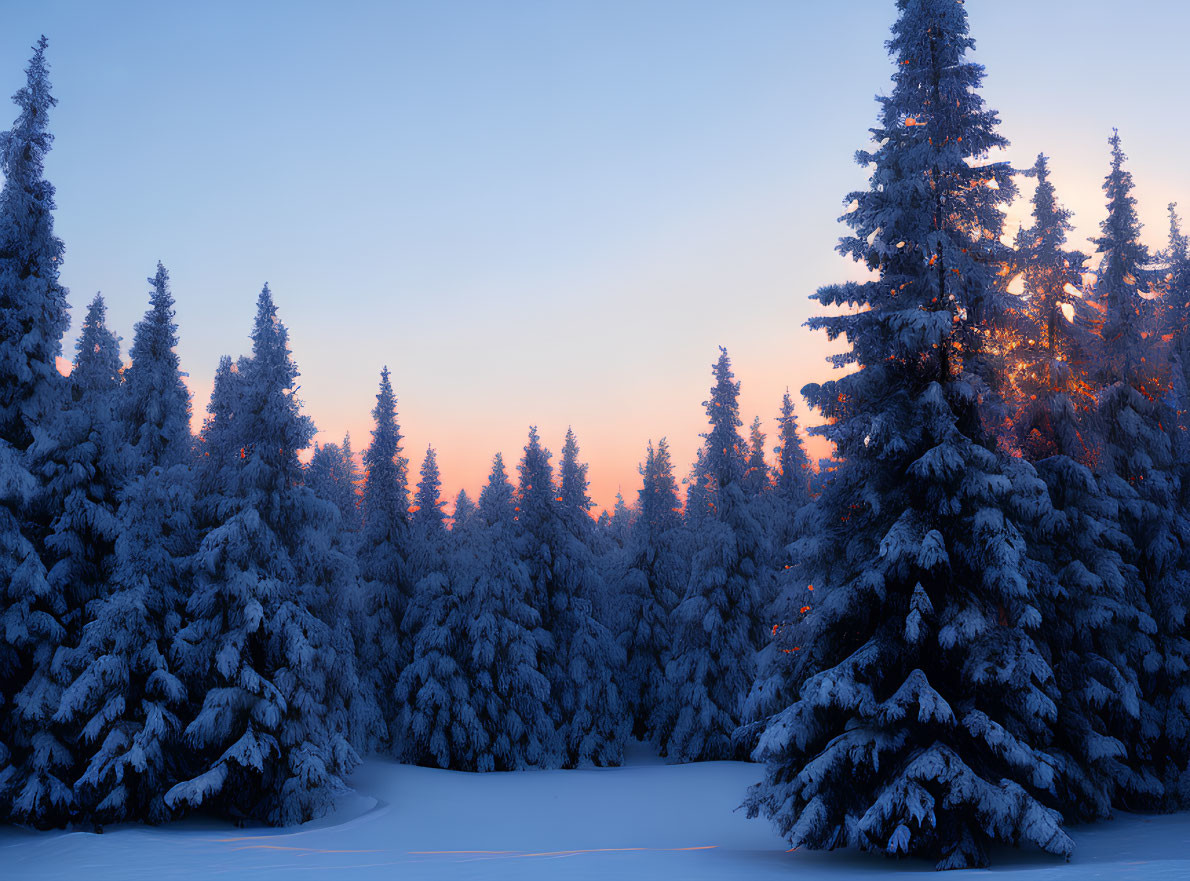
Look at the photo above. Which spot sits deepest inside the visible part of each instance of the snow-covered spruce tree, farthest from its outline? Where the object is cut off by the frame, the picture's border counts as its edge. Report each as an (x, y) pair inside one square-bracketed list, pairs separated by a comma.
[(1133, 412), (266, 671), (124, 691), (621, 519), (428, 522), (349, 502), (619, 524), (1176, 328), (697, 495), (586, 542), (591, 699), (1124, 271), (648, 593), (792, 594), (78, 459), (1099, 629), (215, 448), (1176, 281), (331, 474), (925, 705), (718, 625), (573, 482), (75, 456), (791, 493), (792, 482), (1048, 396), (756, 471), (463, 510), (506, 643), (582, 661), (154, 403), (437, 722), (34, 765), (384, 554)]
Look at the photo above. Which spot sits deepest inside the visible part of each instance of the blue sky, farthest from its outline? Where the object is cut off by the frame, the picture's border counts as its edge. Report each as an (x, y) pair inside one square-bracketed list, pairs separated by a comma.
[(535, 212)]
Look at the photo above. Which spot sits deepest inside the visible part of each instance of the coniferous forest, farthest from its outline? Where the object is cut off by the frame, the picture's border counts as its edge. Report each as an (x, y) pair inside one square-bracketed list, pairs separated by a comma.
[(966, 628)]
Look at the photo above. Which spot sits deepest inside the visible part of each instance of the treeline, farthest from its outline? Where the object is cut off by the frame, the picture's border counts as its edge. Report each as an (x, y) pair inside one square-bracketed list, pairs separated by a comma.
[(966, 628), (206, 624)]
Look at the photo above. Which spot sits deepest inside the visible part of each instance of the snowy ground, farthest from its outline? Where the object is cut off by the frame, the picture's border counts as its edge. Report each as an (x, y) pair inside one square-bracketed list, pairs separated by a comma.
[(644, 821)]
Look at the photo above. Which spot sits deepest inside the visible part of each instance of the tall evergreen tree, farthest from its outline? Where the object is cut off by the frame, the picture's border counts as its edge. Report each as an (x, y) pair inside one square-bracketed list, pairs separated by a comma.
[(791, 493), (216, 447), (464, 510), (924, 704), (697, 490), (331, 474), (1133, 410), (1175, 327), (267, 736), (791, 594), (583, 661), (572, 480), (1123, 272), (384, 553), (427, 504), (718, 625), (1053, 343), (620, 522), (756, 470), (649, 591), (125, 692), (1100, 628), (438, 722), (506, 641), (77, 459), (793, 467), (33, 315), (154, 402)]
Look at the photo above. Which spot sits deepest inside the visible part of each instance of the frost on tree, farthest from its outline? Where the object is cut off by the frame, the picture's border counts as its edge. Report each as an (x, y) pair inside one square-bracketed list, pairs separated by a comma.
[(925, 703), (266, 739), (717, 625)]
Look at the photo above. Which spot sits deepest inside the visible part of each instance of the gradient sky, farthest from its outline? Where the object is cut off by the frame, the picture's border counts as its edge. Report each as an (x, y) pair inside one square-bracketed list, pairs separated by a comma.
[(535, 211)]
